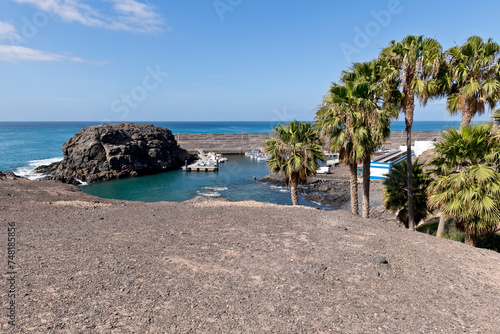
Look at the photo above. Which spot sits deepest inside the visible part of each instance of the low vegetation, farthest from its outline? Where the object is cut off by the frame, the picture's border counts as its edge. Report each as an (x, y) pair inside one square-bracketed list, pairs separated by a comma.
[(488, 241)]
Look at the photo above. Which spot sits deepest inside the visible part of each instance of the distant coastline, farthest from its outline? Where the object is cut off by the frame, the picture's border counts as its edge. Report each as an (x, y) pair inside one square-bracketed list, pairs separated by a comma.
[(25, 145), (187, 127)]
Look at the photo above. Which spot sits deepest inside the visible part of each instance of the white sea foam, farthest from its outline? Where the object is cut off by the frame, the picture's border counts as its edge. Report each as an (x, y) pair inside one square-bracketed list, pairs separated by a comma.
[(208, 194), (215, 188), (81, 182), (280, 189), (27, 171)]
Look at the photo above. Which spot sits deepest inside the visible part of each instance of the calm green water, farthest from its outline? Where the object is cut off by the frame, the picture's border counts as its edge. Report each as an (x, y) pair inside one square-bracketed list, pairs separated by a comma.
[(234, 181)]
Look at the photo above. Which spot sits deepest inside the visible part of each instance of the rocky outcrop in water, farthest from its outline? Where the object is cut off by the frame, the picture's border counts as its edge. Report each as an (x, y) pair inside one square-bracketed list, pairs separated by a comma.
[(110, 151)]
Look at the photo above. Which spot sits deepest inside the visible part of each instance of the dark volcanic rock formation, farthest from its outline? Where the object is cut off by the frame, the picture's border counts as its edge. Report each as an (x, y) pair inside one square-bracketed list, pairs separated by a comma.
[(332, 194), (109, 151), (8, 176)]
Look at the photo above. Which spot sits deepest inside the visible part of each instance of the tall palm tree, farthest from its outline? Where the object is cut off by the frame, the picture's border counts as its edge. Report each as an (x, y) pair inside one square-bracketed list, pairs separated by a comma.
[(339, 121), (295, 153), (467, 185), (414, 64), (375, 114), (474, 82)]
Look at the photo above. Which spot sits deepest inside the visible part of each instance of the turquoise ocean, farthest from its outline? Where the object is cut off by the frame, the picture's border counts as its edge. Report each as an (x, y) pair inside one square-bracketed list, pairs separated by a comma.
[(26, 145)]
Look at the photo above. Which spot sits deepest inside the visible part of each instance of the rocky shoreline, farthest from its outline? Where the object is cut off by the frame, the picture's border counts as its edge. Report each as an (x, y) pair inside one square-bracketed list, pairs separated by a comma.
[(332, 194)]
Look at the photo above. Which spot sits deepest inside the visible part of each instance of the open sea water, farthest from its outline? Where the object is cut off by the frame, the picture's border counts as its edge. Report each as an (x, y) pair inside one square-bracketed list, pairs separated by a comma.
[(27, 145)]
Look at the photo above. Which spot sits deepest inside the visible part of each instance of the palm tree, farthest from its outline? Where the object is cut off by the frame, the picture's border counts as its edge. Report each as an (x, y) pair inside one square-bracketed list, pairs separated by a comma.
[(375, 114), (467, 185), (295, 152), (396, 194), (414, 64), (496, 116), (338, 118), (473, 71)]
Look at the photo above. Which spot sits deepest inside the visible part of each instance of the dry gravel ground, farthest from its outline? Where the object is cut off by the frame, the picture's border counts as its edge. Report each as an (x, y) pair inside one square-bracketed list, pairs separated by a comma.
[(89, 265)]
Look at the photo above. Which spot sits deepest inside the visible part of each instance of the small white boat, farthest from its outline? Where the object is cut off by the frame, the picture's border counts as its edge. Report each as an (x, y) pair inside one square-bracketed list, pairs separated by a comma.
[(259, 155), (216, 157), (211, 158), (324, 170), (332, 159)]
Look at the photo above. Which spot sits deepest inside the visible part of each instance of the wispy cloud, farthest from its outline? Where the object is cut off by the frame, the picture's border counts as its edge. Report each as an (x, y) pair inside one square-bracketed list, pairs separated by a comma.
[(127, 15), (7, 31), (15, 54)]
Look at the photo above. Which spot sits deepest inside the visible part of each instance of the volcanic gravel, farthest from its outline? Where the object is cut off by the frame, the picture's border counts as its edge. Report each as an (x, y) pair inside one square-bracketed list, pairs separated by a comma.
[(90, 265)]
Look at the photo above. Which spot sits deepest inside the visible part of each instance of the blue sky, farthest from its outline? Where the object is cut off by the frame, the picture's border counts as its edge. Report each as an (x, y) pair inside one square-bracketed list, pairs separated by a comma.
[(137, 60)]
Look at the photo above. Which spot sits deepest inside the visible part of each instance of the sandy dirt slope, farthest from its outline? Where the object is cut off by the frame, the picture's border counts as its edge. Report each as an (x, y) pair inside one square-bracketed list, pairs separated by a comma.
[(89, 265)]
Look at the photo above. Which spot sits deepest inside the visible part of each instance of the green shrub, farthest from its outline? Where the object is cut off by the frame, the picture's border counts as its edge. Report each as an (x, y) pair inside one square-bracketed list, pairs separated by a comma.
[(430, 228), (454, 234), (489, 241)]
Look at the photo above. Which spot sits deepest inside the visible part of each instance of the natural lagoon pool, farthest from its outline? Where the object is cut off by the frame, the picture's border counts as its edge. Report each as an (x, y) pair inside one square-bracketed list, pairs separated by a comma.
[(234, 181)]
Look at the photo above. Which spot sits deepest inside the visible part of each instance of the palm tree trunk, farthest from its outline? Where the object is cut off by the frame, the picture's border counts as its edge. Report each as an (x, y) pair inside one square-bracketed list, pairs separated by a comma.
[(466, 119), (466, 115), (353, 167), (470, 238), (366, 187), (409, 107), (293, 191), (496, 126), (442, 223), (411, 209)]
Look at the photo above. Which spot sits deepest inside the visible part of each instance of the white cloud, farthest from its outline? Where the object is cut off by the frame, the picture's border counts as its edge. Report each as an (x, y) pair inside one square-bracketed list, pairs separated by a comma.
[(128, 15), (7, 31), (15, 54), (136, 14)]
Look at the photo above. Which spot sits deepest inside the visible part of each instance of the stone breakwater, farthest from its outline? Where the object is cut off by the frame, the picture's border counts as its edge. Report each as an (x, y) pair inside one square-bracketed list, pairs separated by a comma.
[(235, 143)]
